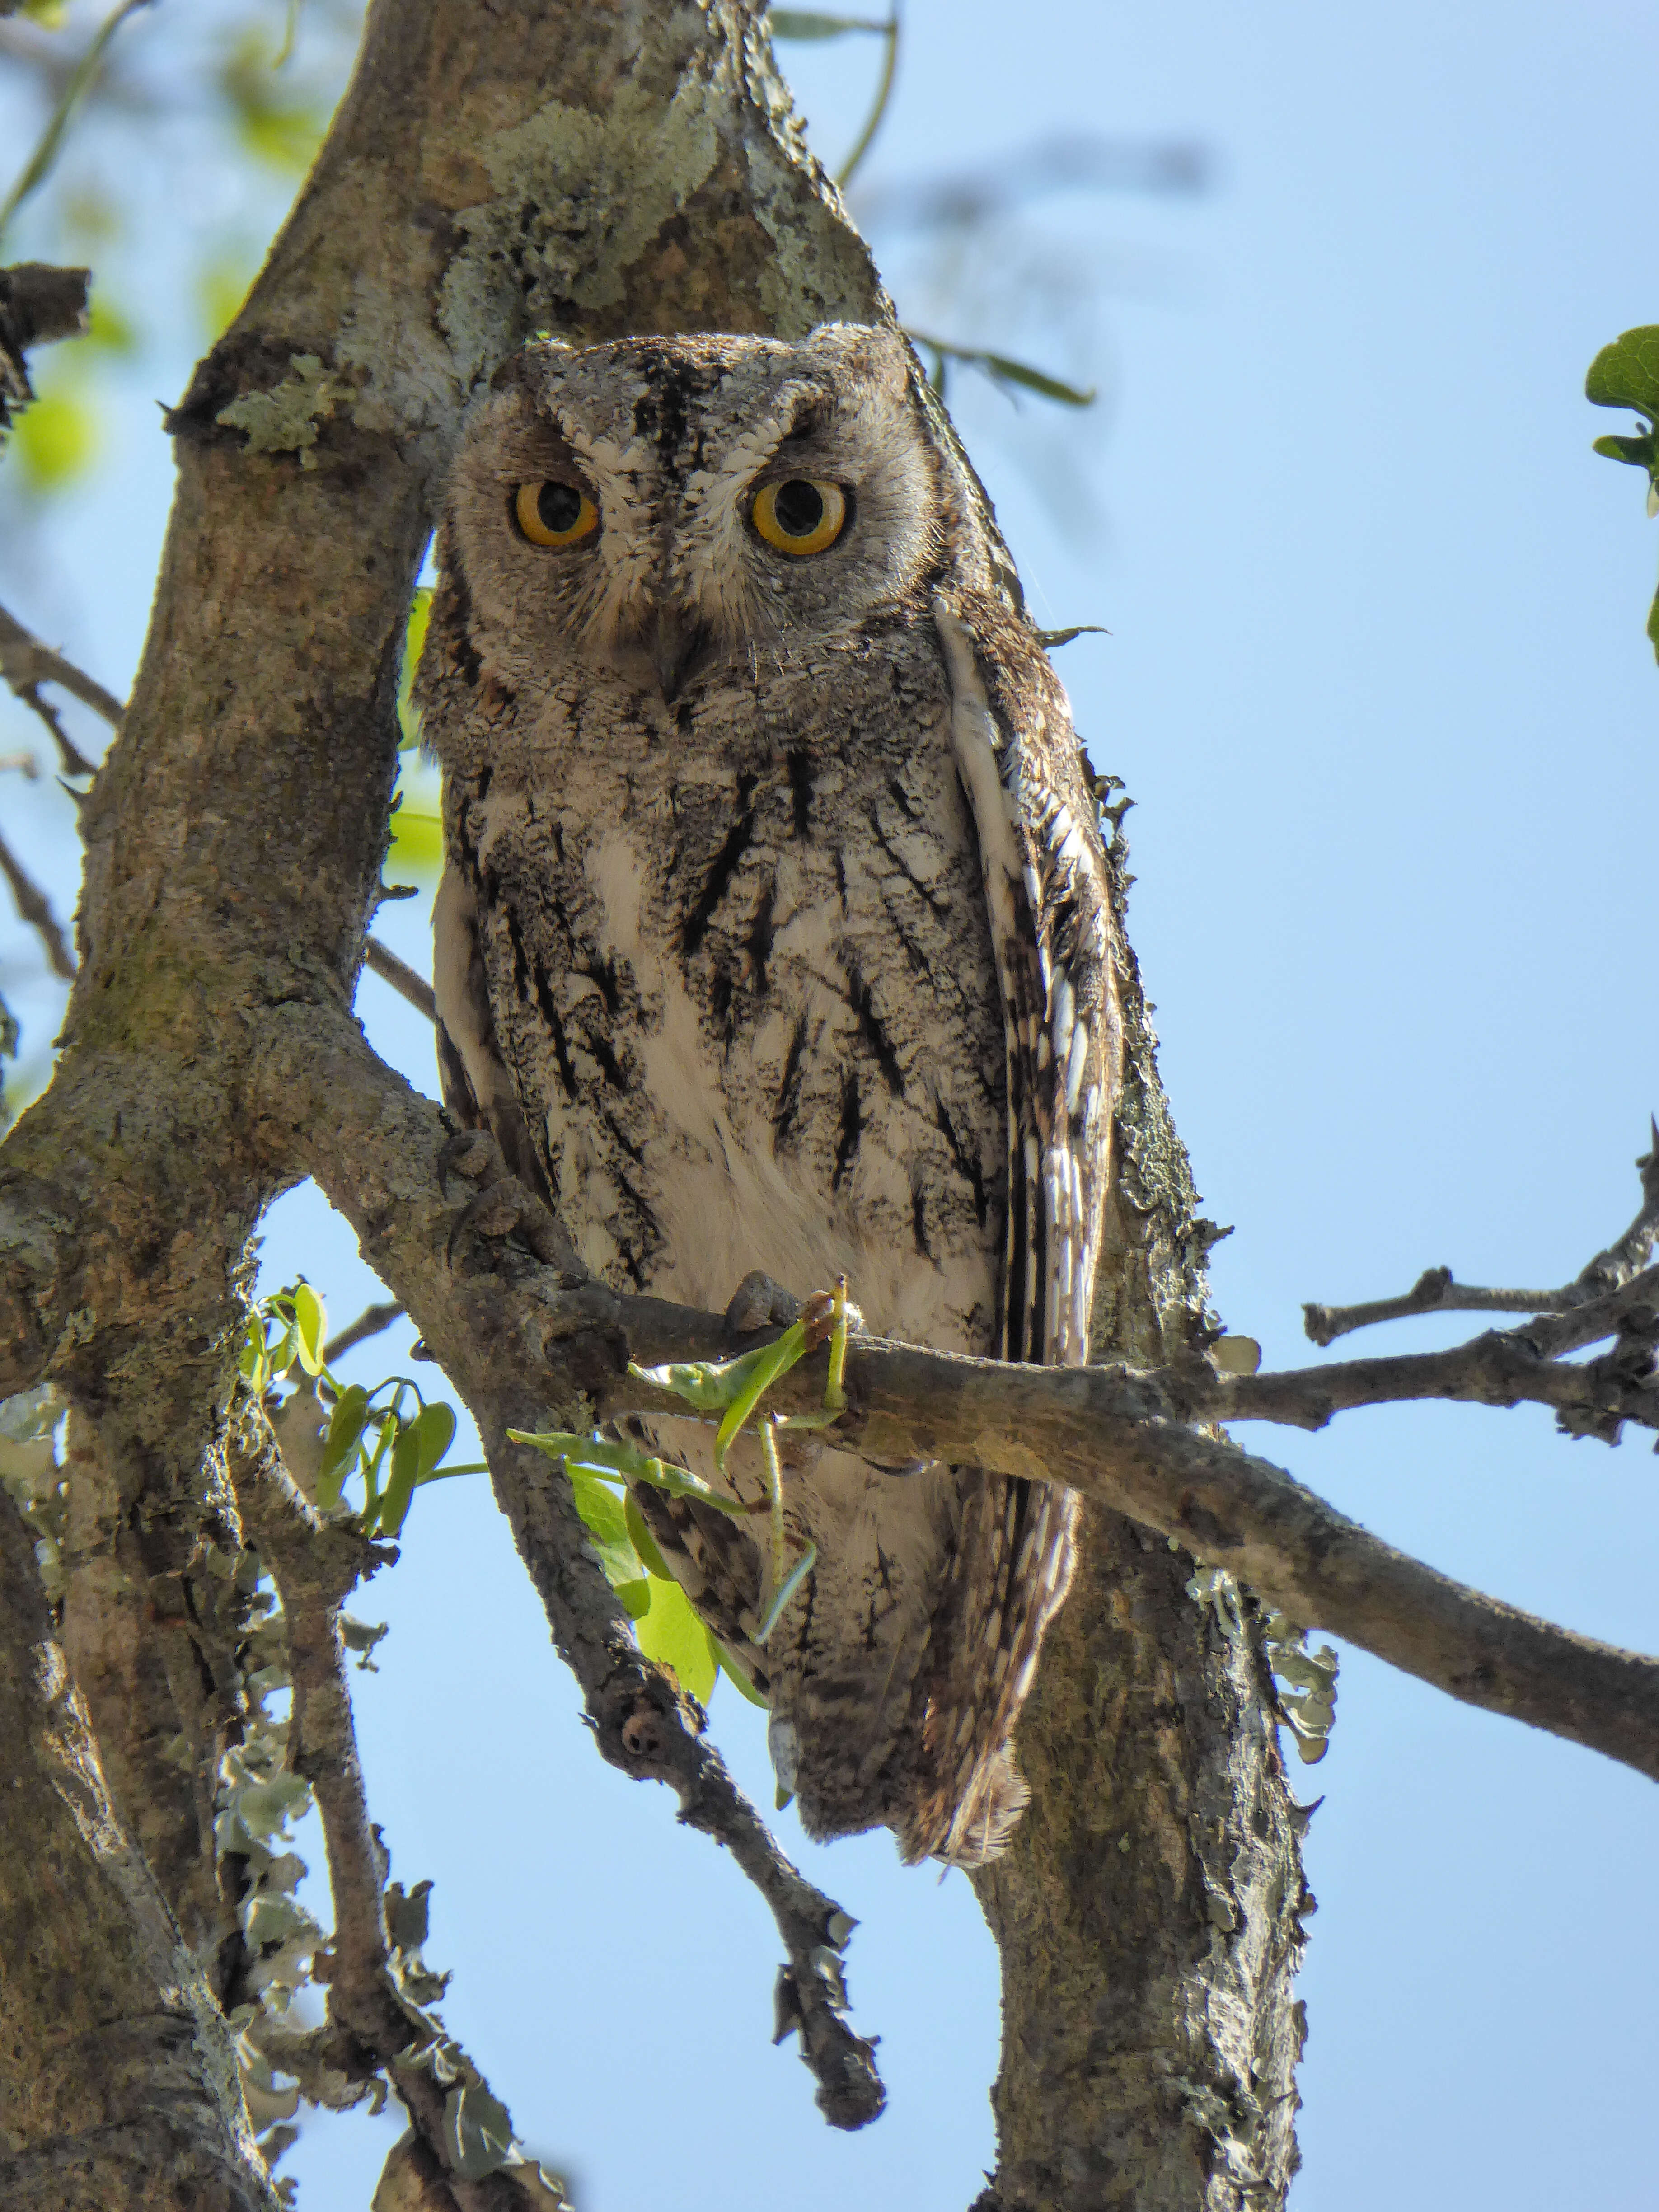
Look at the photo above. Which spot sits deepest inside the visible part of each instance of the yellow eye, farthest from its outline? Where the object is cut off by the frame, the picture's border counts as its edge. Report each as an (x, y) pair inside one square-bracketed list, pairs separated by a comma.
[(555, 513), (802, 514)]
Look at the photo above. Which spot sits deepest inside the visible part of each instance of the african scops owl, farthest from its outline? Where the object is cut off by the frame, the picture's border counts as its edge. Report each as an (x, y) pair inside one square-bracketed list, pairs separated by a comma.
[(774, 934)]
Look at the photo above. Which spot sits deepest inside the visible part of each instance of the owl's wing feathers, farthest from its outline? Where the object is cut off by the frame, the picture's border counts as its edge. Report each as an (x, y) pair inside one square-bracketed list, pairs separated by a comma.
[(1049, 905)]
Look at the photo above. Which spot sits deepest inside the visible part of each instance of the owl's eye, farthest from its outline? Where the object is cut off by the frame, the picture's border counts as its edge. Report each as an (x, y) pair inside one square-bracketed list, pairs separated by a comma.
[(802, 514), (555, 513)]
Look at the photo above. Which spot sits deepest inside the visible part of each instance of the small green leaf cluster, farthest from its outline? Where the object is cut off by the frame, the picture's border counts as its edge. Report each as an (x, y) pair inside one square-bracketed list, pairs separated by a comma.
[(665, 1626), (393, 1448), (389, 1437), (1627, 374)]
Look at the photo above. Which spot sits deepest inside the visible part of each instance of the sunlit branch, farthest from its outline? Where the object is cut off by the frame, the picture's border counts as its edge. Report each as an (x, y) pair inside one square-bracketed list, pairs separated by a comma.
[(1435, 1290)]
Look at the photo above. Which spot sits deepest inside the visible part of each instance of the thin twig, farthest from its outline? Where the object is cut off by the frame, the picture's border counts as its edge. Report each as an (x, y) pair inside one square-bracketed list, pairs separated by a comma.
[(1435, 1292), (368, 1323), (32, 905), (866, 139), (403, 978), (25, 663), (38, 165)]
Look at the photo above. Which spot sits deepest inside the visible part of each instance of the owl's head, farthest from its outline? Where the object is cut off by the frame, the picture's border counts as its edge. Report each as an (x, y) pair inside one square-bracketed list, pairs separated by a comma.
[(664, 506)]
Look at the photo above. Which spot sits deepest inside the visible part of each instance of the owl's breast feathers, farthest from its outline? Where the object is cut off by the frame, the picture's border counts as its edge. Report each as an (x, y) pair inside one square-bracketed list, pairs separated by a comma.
[(812, 973)]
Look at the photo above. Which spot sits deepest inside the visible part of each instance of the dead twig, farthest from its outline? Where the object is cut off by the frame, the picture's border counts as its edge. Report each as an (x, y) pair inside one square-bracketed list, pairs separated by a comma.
[(1435, 1290), (33, 907), (368, 1323), (25, 663)]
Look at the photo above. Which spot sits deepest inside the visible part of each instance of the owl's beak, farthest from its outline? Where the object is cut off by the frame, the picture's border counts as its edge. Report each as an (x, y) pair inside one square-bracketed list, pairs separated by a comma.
[(682, 647)]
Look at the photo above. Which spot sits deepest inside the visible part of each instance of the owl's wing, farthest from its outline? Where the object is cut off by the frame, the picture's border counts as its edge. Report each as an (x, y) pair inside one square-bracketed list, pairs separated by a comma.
[(1049, 904)]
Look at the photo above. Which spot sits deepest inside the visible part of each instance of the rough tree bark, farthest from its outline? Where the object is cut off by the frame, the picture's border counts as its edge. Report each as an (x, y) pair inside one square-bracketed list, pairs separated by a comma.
[(593, 169)]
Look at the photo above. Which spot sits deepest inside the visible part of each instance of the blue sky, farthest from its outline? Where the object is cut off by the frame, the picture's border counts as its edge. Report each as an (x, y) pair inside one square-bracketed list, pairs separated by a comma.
[(1376, 680)]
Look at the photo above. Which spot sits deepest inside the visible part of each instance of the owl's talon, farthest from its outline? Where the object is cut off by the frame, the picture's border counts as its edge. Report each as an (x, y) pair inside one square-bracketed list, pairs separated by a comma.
[(472, 1154), (506, 1209)]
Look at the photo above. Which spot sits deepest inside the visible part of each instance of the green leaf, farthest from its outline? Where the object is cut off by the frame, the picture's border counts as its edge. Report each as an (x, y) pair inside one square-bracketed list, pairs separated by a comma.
[(435, 1427), (345, 1433), (409, 722), (311, 1323), (642, 1541), (417, 838), (786, 1590), (1627, 373), (809, 23), (1002, 368), (635, 1597), (1641, 453), (606, 1522), (597, 1456), (763, 1367), (735, 1676), (251, 1363), (671, 1634), (405, 1468), (55, 441)]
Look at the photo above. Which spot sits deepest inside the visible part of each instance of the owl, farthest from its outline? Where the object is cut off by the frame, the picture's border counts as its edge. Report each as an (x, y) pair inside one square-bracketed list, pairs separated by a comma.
[(774, 941)]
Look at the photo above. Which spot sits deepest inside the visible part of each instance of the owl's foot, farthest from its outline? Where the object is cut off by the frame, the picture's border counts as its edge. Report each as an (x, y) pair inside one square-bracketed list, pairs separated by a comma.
[(503, 1208)]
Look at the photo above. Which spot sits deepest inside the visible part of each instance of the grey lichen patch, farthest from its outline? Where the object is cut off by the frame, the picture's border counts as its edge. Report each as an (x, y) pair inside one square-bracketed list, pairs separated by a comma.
[(285, 419), (578, 198)]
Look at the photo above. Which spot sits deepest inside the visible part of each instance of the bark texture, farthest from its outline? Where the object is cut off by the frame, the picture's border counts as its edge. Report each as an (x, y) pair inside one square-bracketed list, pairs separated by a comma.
[(1146, 1915), (593, 169), (118, 2086)]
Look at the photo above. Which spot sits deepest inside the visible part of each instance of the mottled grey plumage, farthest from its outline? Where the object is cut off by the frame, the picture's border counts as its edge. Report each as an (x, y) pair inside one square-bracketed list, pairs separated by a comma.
[(773, 935)]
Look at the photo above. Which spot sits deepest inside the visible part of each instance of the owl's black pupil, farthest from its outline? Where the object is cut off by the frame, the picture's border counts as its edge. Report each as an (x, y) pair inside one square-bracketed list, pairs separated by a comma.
[(798, 507), (559, 506)]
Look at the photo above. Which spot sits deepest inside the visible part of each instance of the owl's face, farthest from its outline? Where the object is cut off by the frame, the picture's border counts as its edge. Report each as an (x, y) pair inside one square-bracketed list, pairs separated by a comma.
[(662, 506)]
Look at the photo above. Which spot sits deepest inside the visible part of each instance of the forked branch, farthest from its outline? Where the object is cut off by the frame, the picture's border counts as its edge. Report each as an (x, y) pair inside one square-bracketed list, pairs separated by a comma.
[(1435, 1290)]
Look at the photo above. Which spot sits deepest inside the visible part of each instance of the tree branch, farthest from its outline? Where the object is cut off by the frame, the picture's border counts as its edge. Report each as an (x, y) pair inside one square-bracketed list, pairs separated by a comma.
[(120, 2085), (315, 1568), (1117, 1435), (26, 665), (1435, 1292), (368, 1323), (403, 978)]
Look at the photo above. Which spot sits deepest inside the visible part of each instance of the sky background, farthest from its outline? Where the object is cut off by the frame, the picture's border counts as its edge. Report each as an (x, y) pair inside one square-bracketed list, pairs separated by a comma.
[(1376, 680)]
